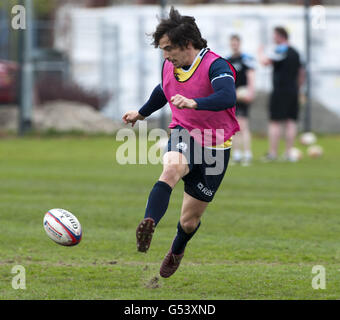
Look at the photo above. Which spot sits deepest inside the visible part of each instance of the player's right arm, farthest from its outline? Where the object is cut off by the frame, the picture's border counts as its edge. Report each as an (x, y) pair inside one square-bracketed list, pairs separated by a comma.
[(250, 74), (264, 60), (278, 54), (132, 117), (156, 101)]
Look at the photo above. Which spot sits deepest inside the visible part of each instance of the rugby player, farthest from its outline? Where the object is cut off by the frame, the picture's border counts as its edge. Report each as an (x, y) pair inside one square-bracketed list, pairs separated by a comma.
[(288, 78), (199, 86), (245, 71)]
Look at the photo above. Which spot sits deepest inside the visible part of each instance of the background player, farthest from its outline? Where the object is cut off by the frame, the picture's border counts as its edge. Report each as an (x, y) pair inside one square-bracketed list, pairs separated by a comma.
[(245, 78), (200, 88), (288, 77)]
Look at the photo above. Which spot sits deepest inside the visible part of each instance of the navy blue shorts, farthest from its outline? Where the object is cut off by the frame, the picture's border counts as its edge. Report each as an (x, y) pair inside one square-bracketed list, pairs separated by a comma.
[(206, 166)]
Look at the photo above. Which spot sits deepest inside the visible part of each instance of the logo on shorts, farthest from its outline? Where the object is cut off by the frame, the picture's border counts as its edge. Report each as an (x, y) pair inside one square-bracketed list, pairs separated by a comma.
[(205, 190), (182, 146)]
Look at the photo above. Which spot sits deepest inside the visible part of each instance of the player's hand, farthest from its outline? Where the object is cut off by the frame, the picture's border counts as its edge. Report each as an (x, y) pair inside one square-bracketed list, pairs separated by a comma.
[(302, 99), (249, 98), (245, 95), (182, 102), (260, 49), (132, 117), (263, 59)]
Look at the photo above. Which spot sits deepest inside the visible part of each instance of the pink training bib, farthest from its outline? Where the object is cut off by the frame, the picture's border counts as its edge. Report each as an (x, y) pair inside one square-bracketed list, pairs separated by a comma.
[(209, 128)]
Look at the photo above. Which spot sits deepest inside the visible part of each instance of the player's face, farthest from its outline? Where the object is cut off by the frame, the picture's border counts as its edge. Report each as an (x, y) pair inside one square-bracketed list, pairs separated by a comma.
[(177, 56), (235, 45), (278, 39)]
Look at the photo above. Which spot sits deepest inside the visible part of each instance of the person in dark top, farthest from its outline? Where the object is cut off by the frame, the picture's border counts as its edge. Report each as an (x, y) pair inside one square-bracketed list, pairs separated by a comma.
[(288, 77), (245, 94)]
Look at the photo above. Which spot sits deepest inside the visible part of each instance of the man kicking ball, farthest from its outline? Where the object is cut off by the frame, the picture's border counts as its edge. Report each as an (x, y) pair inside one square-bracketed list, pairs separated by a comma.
[(199, 86)]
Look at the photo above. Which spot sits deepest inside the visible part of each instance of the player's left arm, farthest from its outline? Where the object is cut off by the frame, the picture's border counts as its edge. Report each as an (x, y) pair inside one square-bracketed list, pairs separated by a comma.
[(301, 73), (182, 102), (263, 58), (250, 74), (249, 67), (223, 97), (301, 78)]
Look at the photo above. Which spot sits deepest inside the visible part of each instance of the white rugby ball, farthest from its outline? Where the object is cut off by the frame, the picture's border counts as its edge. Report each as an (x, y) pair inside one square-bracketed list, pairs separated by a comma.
[(315, 151), (62, 227), (308, 138), (295, 154)]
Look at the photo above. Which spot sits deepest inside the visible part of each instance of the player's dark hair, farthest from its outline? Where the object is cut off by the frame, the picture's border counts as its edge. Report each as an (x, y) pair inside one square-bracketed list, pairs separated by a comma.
[(282, 32), (235, 37), (181, 30)]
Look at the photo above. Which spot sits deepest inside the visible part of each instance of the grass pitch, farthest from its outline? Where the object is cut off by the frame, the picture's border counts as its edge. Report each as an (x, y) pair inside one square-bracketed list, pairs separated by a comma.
[(268, 225)]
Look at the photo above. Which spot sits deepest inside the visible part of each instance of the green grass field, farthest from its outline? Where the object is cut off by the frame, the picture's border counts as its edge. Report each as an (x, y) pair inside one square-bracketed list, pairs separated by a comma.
[(260, 238)]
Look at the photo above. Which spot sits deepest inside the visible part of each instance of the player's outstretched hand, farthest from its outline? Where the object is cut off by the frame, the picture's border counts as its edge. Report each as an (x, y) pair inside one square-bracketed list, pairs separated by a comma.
[(182, 102), (132, 117)]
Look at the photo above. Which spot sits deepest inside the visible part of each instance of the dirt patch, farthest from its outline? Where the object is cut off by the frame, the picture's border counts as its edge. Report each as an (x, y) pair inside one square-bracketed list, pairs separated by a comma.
[(153, 283), (4, 262)]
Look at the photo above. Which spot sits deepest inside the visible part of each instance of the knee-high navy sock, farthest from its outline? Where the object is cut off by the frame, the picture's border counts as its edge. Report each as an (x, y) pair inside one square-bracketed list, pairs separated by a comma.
[(158, 201), (182, 239)]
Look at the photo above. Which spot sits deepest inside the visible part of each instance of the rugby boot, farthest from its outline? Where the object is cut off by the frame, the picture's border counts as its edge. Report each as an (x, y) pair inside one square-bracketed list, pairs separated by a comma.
[(170, 264)]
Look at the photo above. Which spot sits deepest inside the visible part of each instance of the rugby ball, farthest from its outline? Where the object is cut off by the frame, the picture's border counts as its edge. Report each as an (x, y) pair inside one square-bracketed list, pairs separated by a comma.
[(308, 138), (315, 151), (62, 227), (295, 154)]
